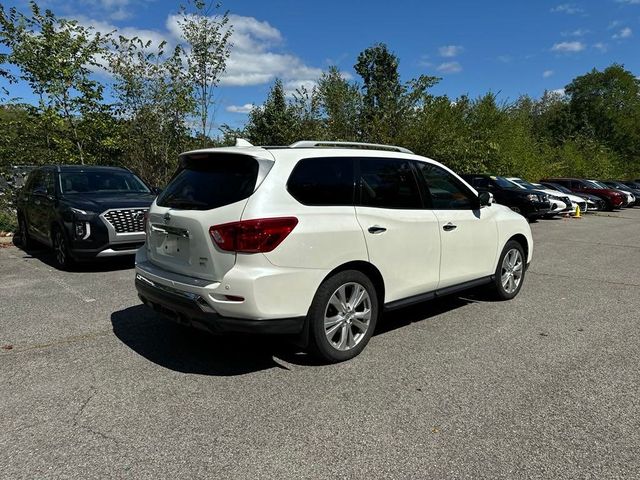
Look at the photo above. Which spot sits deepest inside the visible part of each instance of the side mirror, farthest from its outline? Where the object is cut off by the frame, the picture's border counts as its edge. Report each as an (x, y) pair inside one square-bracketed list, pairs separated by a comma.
[(39, 191), (485, 199)]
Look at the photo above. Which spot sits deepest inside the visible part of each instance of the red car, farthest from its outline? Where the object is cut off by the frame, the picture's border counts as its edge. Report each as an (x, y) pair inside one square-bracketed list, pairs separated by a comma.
[(612, 198)]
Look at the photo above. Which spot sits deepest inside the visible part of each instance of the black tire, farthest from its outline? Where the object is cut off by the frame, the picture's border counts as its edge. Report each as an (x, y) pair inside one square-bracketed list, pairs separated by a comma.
[(351, 320), (503, 292), (61, 249), (25, 239)]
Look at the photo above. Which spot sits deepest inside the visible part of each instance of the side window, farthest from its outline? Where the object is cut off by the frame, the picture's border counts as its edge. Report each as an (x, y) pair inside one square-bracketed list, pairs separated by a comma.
[(36, 181), (481, 183), (323, 181), (388, 183), (48, 182), (445, 190)]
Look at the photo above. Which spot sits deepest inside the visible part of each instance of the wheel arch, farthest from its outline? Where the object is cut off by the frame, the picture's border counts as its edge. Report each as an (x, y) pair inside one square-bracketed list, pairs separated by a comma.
[(369, 270), (524, 243)]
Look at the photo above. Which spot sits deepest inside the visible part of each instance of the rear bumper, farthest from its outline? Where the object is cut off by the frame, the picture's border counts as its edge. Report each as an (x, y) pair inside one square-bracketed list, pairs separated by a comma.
[(191, 309)]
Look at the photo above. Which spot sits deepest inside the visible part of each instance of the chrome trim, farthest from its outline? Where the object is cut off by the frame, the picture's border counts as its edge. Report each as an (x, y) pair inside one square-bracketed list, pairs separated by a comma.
[(193, 297), (109, 252), (169, 230), (115, 237)]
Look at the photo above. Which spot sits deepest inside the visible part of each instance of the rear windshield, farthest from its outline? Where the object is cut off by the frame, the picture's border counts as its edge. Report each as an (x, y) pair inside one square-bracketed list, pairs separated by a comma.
[(211, 183)]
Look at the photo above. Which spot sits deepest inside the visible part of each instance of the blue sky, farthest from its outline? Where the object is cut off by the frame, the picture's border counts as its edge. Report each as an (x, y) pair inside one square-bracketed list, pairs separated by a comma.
[(507, 47)]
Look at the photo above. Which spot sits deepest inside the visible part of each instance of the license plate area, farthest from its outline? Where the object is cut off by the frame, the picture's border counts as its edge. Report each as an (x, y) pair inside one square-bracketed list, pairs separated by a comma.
[(171, 242)]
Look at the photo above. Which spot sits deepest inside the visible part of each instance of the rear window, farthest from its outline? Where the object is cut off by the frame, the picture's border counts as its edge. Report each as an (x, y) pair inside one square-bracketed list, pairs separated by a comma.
[(388, 183), (211, 183), (322, 181)]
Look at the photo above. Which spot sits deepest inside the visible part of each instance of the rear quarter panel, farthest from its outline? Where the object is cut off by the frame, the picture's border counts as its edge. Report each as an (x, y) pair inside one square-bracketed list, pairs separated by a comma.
[(325, 236)]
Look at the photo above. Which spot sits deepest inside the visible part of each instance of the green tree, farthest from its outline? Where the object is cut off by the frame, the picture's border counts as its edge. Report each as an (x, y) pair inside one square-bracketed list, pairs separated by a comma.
[(207, 49), (382, 91), (341, 103), (273, 123), (605, 105), (154, 100), (55, 57)]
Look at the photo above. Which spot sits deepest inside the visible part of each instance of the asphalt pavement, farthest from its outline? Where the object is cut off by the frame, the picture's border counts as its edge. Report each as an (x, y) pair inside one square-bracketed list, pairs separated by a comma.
[(94, 385)]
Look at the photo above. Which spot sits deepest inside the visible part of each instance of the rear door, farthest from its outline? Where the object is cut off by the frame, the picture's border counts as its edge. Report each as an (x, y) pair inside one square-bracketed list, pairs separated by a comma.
[(403, 239), (469, 234), (210, 189), (41, 203)]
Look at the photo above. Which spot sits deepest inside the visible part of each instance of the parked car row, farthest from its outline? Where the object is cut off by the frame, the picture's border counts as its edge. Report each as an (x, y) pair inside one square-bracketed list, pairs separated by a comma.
[(313, 240), (557, 196)]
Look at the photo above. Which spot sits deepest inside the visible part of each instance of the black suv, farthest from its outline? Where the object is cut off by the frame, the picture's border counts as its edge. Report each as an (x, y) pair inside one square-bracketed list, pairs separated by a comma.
[(84, 212), (532, 204)]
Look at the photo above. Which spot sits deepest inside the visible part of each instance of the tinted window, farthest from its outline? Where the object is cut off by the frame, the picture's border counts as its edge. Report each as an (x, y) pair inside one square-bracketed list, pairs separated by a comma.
[(211, 183), (43, 183), (322, 181), (481, 183), (101, 181), (388, 183), (33, 180), (445, 190)]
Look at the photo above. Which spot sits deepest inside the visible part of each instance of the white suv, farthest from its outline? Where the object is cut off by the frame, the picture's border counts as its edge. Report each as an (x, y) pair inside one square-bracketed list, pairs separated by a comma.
[(317, 239)]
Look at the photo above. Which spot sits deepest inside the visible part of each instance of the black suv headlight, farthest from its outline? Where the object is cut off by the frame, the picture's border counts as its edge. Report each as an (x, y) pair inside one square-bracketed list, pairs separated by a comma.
[(81, 223)]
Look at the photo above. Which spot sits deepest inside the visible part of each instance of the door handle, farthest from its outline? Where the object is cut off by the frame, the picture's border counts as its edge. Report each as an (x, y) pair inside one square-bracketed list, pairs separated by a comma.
[(377, 229), (449, 226)]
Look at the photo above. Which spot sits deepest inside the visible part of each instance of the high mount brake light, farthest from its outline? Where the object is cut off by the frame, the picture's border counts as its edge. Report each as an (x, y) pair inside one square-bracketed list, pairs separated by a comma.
[(260, 235)]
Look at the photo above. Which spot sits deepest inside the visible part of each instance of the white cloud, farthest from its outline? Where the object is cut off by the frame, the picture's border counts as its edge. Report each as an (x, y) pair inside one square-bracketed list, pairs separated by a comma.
[(547, 73), (629, 2), (449, 67), (105, 27), (113, 9), (624, 33), (568, 8), (449, 51), (568, 47), (292, 86), (246, 108), (505, 58), (254, 59), (601, 47), (559, 92), (580, 32)]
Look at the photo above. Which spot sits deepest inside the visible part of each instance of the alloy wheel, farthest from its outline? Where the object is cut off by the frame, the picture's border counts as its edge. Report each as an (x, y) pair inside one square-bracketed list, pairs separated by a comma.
[(347, 316), (511, 271), (60, 248)]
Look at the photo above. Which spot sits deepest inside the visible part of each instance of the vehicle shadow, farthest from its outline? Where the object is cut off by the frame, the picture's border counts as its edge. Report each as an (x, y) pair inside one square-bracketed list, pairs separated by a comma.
[(46, 256), (187, 350)]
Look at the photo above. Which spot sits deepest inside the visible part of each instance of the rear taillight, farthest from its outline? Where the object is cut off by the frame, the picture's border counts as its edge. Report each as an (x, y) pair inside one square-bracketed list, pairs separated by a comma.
[(252, 236)]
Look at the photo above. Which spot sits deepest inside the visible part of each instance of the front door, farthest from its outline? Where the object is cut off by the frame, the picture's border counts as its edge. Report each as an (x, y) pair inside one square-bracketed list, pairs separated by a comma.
[(403, 238), (469, 234)]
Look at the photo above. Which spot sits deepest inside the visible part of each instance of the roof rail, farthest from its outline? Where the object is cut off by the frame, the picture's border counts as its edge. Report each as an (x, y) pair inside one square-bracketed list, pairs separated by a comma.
[(327, 144)]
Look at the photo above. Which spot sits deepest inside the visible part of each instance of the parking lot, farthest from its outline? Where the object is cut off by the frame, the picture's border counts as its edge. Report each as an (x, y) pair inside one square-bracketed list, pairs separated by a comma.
[(94, 385)]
